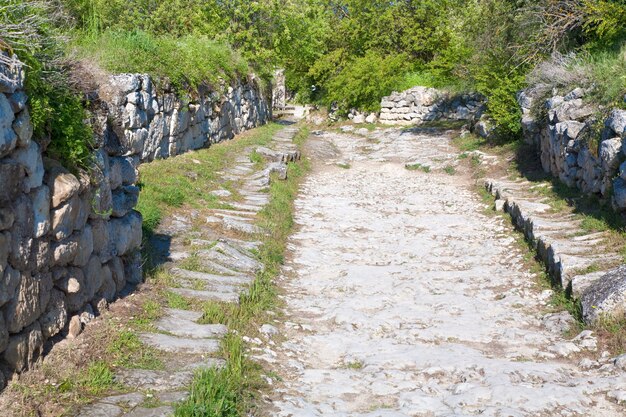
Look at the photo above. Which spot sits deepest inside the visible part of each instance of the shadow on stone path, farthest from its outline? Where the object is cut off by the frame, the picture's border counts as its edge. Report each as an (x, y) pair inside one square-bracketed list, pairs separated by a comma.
[(403, 298)]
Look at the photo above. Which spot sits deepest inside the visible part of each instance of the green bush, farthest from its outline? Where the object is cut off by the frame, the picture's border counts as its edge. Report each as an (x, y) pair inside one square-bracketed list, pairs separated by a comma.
[(187, 62), (364, 81)]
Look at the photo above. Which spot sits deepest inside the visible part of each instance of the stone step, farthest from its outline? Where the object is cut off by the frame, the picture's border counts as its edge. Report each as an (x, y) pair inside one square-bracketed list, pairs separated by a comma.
[(182, 323), (173, 344), (231, 297), (163, 380), (247, 207), (242, 245), (213, 278)]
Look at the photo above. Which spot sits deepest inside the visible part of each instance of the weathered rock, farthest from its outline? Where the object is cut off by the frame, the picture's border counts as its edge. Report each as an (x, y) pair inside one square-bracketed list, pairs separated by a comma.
[(8, 137), (21, 254), (606, 296), (75, 300), (617, 122), (619, 193), (8, 285), (94, 277), (67, 281), (41, 210), (117, 273), (127, 232), (4, 336), (124, 200), (18, 101), (64, 218), (371, 119), (64, 251), (55, 317), (25, 348), (75, 328), (6, 218), (11, 176), (133, 271), (63, 185), (87, 314), (108, 290), (609, 154), (23, 128), (30, 158), (85, 247), (574, 94), (31, 300)]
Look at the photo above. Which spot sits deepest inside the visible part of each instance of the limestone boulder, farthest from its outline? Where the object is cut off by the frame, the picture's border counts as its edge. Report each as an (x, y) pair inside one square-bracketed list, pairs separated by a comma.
[(4, 334), (127, 232), (64, 251), (610, 151), (21, 254), (616, 122), (12, 175), (30, 158), (108, 290), (133, 270), (55, 317), (100, 232), (8, 286), (619, 193), (75, 289), (31, 300), (24, 349), (18, 101), (117, 273), (94, 277), (6, 218), (605, 296), (64, 218), (124, 200), (63, 185), (85, 247), (41, 211), (8, 137), (23, 128), (42, 254)]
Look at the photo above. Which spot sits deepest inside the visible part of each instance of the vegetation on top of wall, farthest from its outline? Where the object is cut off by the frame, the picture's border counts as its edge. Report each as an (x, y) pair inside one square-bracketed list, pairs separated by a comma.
[(34, 30), (187, 61)]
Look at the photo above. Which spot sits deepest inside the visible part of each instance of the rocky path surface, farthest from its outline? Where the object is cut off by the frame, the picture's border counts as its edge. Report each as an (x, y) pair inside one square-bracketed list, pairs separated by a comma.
[(404, 298), (223, 244)]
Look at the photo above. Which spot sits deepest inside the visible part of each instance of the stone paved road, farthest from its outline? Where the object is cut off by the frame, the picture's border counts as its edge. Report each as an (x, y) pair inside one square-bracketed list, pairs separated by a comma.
[(405, 299)]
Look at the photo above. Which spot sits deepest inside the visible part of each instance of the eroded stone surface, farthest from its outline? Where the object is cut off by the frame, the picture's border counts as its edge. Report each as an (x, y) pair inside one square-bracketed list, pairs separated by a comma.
[(403, 299)]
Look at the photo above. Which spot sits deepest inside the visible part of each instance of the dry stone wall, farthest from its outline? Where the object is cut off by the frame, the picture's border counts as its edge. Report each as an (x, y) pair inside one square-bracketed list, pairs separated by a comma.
[(575, 146), (69, 241), (423, 104)]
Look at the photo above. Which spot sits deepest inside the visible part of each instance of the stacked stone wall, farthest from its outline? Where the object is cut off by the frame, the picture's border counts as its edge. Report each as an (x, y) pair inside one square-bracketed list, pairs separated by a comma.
[(70, 240), (422, 104), (576, 144)]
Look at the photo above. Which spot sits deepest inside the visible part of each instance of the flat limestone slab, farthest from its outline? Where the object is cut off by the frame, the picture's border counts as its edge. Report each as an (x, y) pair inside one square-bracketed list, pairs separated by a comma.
[(176, 323), (165, 411), (101, 410), (175, 344), (226, 297), (213, 278)]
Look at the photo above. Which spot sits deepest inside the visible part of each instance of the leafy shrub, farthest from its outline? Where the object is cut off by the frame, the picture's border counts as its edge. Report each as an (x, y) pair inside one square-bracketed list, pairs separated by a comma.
[(363, 81), (187, 62)]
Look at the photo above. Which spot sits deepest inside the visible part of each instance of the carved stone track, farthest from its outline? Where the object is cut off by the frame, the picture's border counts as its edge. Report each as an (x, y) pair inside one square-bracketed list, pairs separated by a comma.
[(404, 298)]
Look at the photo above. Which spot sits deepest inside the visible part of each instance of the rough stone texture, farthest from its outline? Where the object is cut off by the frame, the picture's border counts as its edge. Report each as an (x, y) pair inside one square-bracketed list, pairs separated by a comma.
[(422, 104), (605, 296), (69, 238), (563, 144), (404, 299)]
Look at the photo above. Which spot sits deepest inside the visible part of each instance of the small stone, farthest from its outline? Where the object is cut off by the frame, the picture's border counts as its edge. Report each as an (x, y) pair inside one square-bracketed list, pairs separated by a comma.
[(25, 348), (76, 327), (87, 314), (41, 209), (268, 330), (618, 395), (620, 362), (23, 128), (30, 158)]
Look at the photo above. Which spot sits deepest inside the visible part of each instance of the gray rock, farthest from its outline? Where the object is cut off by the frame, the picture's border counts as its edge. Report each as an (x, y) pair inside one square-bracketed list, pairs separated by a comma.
[(619, 193), (11, 177), (8, 138), (41, 210), (4, 336), (64, 251), (6, 218), (21, 254), (8, 286), (95, 275), (133, 271), (68, 281), (616, 122), (31, 300), (371, 119), (75, 300), (100, 409), (30, 158), (100, 231), (64, 218), (25, 348), (23, 128), (609, 154), (63, 185), (75, 327), (55, 317), (606, 296), (117, 273), (134, 140), (127, 232), (163, 411), (179, 345), (18, 101), (85, 247), (124, 200), (575, 94), (182, 323), (108, 290)]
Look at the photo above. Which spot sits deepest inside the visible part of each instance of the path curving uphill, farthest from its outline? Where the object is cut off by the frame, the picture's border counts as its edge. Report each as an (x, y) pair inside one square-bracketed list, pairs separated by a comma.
[(404, 298)]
